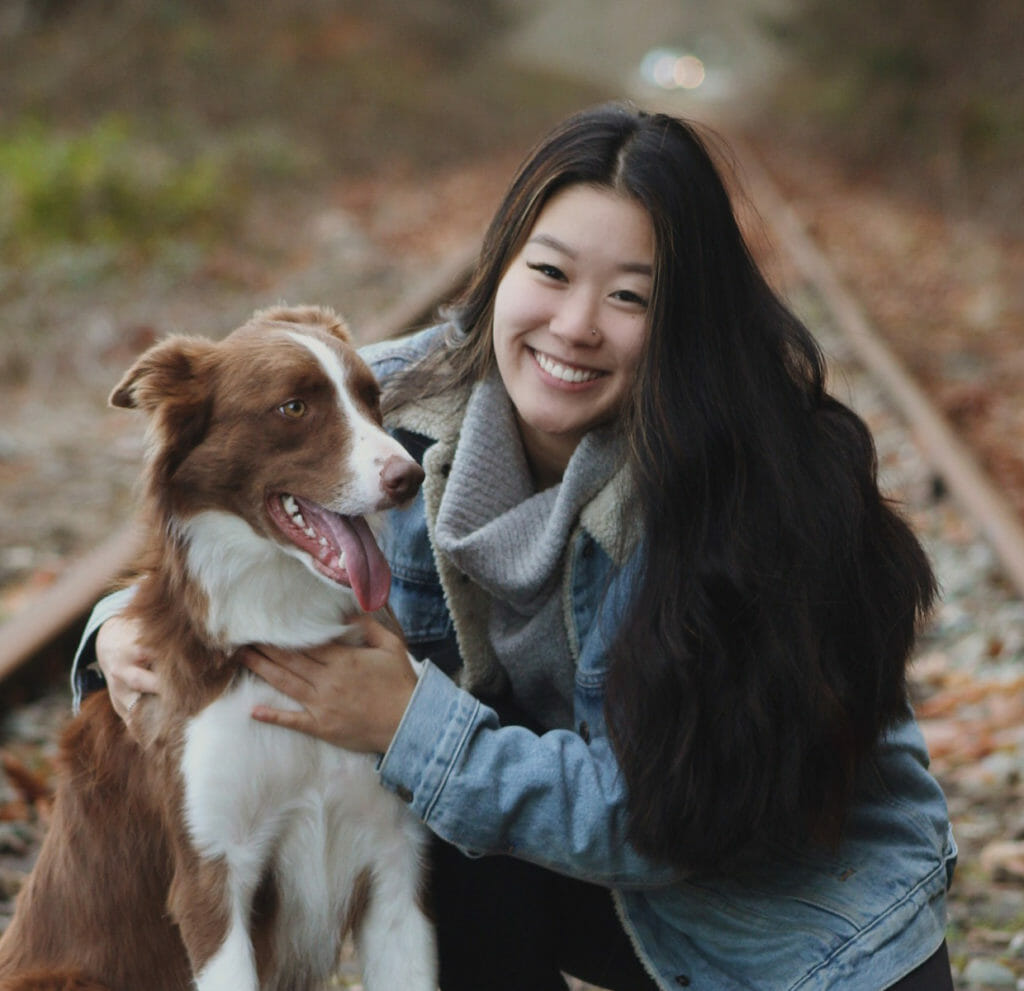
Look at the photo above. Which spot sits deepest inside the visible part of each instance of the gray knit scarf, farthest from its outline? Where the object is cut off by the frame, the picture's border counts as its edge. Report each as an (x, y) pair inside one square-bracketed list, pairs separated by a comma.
[(512, 542)]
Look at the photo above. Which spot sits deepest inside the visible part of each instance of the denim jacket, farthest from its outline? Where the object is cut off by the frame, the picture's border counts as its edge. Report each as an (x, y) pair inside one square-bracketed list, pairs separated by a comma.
[(856, 918), (859, 917)]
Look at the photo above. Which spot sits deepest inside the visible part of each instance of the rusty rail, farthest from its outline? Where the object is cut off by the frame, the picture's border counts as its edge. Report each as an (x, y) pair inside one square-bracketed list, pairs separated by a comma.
[(948, 455)]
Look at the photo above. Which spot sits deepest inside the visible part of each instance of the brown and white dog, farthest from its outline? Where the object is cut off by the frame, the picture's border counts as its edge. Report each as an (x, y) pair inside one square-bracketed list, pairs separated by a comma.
[(200, 848)]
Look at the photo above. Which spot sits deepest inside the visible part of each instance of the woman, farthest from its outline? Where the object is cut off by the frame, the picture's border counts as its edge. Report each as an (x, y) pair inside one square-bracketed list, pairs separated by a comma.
[(667, 611)]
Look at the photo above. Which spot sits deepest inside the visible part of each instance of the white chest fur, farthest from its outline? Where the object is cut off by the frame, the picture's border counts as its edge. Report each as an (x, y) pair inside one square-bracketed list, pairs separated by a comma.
[(267, 799), (260, 591)]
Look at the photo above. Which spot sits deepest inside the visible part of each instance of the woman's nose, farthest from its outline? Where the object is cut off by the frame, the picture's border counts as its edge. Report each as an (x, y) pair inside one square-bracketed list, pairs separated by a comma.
[(576, 318)]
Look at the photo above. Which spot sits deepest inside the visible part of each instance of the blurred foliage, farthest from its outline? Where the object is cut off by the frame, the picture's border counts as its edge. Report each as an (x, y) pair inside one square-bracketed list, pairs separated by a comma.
[(329, 72), (107, 185), (932, 89), (447, 26), (125, 120)]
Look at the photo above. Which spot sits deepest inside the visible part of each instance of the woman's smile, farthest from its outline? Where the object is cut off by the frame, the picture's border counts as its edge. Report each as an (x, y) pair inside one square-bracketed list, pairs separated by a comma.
[(565, 372)]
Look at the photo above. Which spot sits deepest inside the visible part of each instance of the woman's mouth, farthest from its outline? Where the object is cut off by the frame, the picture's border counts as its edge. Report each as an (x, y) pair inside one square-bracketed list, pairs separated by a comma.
[(571, 374)]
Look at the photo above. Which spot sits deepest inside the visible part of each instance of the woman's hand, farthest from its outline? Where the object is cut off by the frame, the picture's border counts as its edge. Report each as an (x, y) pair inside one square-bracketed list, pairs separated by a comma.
[(351, 696), (124, 664)]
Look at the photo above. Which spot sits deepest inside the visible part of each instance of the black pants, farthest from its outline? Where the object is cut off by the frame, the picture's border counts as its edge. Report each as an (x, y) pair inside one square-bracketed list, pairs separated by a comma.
[(506, 925), (933, 975)]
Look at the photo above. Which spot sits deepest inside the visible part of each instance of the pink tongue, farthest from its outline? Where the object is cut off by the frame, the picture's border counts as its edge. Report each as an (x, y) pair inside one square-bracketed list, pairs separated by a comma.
[(368, 572)]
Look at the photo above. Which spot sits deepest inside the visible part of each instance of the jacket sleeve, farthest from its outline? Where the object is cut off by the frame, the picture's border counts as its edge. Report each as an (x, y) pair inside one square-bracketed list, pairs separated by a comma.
[(85, 674), (556, 799)]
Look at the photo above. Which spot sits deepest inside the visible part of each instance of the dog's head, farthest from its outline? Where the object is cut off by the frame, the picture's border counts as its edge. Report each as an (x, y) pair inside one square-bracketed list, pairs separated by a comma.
[(278, 425)]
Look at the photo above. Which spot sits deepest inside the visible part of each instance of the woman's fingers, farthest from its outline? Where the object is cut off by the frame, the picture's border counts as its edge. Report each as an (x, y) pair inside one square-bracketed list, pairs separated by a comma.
[(141, 680), (378, 635), (352, 695), (124, 702), (289, 671), (288, 718), (124, 664)]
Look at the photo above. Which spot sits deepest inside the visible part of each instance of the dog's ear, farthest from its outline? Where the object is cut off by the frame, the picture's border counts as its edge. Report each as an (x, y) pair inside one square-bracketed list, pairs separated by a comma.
[(322, 317), (171, 382), (172, 369)]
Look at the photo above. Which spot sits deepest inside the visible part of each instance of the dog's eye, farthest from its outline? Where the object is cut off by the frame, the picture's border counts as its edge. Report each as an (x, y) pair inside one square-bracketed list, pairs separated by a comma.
[(294, 409)]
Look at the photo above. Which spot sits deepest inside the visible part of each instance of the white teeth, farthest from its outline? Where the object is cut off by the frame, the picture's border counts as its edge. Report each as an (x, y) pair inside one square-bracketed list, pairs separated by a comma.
[(341, 561), (291, 507), (564, 372)]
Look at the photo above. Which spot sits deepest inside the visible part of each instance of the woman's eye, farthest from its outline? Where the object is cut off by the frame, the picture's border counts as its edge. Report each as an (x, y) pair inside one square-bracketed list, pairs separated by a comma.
[(551, 271), (633, 298), (294, 409)]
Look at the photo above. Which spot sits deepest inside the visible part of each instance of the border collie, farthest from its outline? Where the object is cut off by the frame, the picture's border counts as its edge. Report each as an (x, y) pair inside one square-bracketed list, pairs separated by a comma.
[(198, 848)]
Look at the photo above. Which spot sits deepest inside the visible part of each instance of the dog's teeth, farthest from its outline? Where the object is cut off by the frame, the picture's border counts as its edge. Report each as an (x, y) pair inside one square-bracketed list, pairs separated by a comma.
[(291, 507), (341, 561), (309, 531), (323, 541)]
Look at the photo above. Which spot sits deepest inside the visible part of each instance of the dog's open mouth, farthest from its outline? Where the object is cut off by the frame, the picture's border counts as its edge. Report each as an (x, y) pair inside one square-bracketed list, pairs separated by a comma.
[(342, 547)]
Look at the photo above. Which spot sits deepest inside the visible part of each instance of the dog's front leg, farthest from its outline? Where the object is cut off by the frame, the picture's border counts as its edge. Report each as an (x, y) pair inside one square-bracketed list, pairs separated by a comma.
[(212, 910), (395, 939), (230, 835)]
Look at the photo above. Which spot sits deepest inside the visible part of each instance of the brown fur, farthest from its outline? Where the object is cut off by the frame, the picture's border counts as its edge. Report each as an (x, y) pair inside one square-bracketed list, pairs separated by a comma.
[(116, 866), (120, 900)]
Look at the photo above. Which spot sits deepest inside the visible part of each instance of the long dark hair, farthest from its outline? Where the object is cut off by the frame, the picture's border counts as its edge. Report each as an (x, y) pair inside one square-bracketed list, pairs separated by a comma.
[(766, 645)]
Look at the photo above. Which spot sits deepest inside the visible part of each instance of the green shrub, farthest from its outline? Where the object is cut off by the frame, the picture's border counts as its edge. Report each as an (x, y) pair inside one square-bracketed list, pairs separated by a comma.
[(108, 185)]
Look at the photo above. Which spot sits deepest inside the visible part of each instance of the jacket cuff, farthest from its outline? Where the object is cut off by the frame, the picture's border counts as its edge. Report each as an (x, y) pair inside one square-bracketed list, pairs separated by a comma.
[(433, 730), (85, 674)]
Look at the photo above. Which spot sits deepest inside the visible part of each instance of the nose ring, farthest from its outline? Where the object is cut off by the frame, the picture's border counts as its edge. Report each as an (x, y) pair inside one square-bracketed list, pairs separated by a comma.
[(593, 332)]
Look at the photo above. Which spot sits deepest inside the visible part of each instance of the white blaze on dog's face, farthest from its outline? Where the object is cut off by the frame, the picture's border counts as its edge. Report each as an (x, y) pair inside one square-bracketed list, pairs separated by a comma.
[(278, 425), (374, 473), (368, 447)]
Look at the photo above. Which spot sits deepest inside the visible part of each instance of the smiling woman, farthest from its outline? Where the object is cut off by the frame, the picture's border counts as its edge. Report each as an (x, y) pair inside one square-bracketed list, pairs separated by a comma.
[(570, 318)]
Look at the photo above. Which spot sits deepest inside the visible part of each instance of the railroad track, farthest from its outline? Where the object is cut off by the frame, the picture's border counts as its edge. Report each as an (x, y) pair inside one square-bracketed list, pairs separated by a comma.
[(949, 456), (52, 612)]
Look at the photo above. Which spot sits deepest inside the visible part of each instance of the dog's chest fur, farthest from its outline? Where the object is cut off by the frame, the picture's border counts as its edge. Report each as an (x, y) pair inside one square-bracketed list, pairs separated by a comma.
[(286, 810)]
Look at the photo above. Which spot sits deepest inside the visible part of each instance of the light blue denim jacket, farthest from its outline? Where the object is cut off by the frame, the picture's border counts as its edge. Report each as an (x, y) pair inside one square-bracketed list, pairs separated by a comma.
[(859, 918)]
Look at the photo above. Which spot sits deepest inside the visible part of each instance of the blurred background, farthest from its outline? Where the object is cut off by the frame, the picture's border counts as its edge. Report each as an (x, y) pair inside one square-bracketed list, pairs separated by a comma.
[(170, 165)]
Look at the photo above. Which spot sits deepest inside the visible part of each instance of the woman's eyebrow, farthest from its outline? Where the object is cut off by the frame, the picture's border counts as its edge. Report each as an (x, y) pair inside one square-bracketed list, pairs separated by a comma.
[(552, 242), (547, 240)]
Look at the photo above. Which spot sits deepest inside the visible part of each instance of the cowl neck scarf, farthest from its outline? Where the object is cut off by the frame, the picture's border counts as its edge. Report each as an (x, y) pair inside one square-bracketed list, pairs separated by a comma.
[(512, 541)]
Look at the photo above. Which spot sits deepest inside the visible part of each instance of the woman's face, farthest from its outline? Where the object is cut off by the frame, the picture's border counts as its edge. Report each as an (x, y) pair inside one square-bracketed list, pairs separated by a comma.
[(570, 318)]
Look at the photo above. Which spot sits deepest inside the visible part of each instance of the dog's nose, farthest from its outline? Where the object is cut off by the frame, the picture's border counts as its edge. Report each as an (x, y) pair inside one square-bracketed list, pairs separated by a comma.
[(400, 478)]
